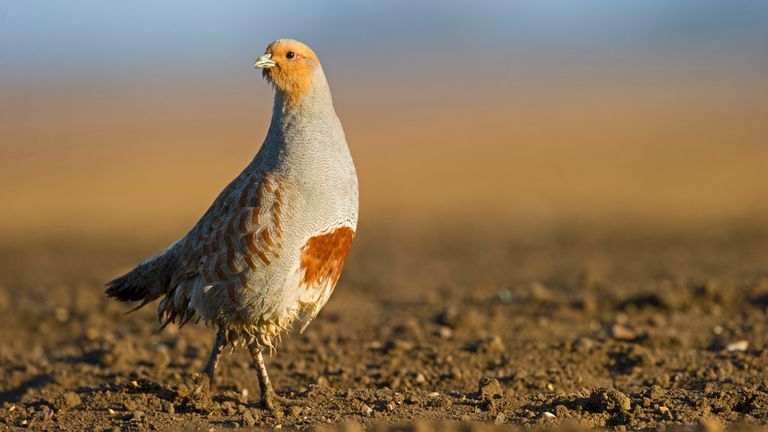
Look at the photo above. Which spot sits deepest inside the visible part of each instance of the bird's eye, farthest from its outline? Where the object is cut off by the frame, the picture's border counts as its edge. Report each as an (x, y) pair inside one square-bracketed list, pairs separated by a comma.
[(290, 54)]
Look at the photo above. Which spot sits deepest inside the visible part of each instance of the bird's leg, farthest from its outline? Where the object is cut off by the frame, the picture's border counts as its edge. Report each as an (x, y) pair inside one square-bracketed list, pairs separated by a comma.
[(213, 358), (268, 395)]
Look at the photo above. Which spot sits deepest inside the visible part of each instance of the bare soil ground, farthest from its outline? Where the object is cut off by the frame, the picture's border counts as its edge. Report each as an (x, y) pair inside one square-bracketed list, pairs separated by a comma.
[(626, 328)]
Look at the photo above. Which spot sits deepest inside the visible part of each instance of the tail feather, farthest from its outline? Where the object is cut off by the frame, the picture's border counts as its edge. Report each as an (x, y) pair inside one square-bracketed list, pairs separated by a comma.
[(145, 283)]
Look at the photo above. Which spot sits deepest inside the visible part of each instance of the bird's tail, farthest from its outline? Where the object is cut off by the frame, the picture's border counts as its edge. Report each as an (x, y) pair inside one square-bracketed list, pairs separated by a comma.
[(146, 282)]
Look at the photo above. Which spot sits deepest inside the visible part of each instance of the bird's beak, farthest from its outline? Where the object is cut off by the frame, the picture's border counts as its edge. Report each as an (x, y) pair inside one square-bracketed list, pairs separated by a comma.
[(264, 62)]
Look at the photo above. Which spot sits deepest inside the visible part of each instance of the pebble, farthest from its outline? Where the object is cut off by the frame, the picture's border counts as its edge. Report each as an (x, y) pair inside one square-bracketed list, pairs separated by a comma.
[(399, 346), (621, 332), (68, 400), (366, 411), (489, 388), (584, 345), (610, 400), (168, 407), (548, 414), (655, 392), (506, 296), (322, 382), (665, 412), (741, 345)]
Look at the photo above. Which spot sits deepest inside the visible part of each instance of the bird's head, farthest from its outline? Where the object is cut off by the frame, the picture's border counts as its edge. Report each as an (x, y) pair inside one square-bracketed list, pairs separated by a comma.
[(290, 66)]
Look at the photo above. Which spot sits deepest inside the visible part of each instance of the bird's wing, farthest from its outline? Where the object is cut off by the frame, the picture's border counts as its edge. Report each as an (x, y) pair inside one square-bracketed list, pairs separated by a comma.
[(238, 237)]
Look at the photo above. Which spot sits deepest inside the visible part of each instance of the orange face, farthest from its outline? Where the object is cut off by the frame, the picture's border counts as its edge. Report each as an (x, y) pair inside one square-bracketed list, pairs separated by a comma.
[(289, 65)]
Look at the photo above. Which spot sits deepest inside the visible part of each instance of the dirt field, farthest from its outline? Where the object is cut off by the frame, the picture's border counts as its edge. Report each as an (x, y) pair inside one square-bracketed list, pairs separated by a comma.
[(630, 328)]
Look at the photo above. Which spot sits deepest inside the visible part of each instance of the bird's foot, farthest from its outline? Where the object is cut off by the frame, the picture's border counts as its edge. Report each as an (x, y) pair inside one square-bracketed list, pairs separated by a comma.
[(272, 401)]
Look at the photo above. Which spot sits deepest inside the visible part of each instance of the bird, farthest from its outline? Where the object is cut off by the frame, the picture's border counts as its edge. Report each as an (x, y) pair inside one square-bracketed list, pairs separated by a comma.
[(269, 250)]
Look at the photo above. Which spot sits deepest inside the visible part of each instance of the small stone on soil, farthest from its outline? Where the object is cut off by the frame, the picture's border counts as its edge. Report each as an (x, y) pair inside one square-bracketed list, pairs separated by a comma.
[(620, 332), (741, 345), (665, 412), (168, 407), (655, 392), (584, 345), (489, 388), (505, 295), (609, 400), (67, 401)]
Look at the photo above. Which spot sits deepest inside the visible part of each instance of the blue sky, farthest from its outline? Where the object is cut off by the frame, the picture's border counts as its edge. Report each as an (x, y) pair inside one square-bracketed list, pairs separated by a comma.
[(81, 40)]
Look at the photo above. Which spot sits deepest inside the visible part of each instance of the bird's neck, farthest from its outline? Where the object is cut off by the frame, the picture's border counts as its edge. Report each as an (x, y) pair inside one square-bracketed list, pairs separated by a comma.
[(315, 102), (305, 132)]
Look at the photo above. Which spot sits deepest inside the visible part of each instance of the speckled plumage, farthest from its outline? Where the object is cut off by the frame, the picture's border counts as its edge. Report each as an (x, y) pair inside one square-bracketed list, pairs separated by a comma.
[(244, 266)]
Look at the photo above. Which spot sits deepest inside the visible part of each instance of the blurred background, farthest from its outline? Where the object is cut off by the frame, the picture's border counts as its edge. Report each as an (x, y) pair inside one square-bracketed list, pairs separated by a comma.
[(129, 117)]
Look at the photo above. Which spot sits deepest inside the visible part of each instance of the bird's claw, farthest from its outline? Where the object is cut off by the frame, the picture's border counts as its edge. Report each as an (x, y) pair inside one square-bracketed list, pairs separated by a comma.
[(272, 401)]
